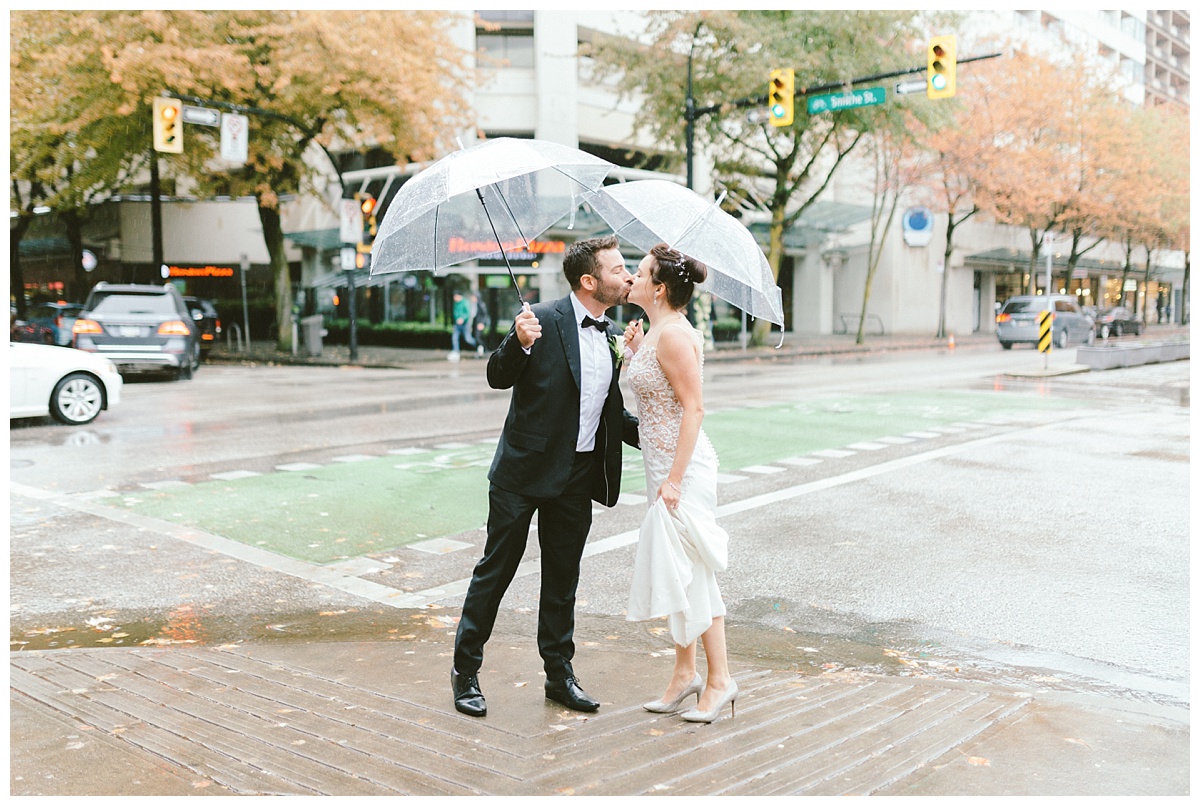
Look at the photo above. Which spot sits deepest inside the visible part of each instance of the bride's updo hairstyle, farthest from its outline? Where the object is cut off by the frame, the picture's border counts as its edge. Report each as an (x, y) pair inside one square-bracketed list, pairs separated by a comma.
[(678, 272)]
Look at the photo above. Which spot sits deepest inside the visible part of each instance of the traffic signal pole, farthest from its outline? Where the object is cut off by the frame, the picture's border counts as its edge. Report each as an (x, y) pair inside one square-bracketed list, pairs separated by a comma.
[(156, 233), (311, 134)]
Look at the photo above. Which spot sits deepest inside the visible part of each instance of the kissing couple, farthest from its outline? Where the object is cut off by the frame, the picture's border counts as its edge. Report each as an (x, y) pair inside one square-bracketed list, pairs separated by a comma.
[(560, 449)]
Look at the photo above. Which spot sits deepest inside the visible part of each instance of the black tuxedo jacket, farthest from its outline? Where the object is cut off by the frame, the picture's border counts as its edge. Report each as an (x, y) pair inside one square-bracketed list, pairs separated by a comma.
[(537, 446)]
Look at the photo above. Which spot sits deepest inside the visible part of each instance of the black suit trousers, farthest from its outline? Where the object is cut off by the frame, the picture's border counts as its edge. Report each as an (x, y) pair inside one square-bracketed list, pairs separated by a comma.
[(563, 524)]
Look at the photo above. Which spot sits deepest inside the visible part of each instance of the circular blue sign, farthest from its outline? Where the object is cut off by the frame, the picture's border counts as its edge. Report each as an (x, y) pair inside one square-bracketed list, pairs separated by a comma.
[(917, 219)]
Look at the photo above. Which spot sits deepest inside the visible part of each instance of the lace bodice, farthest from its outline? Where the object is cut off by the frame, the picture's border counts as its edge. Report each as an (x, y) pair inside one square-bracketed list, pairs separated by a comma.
[(659, 410)]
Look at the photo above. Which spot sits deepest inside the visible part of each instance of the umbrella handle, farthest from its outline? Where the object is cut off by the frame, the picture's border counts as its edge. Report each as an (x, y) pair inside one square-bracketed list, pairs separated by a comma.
[(512, 276)]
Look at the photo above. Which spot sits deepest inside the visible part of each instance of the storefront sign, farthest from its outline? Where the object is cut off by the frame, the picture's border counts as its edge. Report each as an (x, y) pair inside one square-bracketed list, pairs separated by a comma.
[(463, 246), (199, 271)]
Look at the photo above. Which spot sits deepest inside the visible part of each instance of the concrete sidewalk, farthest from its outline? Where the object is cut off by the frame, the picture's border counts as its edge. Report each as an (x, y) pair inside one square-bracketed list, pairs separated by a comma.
[(377, 718), (794, 347)]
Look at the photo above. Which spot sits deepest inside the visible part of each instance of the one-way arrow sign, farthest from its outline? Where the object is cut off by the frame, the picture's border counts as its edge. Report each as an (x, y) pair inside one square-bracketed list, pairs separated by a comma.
[(202, 116), (905, 87)]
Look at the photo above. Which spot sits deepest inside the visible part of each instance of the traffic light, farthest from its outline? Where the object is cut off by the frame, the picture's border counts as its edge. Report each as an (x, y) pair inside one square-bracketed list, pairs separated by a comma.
[(367, 204), (780, 95), (168, 125), (943, 64)]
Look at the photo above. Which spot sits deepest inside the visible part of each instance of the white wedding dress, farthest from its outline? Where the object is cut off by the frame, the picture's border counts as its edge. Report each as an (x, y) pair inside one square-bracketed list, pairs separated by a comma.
[(680, 552)]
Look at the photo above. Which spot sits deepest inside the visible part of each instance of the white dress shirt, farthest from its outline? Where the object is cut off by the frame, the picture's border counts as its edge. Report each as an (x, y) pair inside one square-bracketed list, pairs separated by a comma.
[(595, 375)]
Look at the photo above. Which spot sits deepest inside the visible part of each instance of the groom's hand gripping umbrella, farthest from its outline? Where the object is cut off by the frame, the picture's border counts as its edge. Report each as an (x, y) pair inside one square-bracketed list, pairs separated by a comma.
[(480, 201)]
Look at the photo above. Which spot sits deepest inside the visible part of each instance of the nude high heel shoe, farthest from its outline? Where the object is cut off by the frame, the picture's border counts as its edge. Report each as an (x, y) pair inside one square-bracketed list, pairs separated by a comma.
[(659, 707), (730, 696)]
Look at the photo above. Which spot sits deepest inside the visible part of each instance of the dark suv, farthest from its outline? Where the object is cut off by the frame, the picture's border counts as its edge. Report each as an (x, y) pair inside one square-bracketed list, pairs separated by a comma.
[(204, 314), (140, 327)]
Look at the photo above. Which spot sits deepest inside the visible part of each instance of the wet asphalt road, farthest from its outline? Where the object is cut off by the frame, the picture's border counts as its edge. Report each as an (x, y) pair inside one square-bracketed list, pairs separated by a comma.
[(1050, 547)]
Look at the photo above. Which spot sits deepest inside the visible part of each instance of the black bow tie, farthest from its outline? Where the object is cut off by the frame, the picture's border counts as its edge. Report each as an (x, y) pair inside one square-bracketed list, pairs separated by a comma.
[(599, 324)]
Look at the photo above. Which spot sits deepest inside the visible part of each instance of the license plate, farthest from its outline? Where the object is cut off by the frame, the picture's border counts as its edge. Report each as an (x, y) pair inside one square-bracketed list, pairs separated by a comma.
[(129, 331)]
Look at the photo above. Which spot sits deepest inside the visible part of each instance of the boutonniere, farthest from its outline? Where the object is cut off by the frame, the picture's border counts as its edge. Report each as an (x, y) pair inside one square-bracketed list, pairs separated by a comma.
[(618, 353)]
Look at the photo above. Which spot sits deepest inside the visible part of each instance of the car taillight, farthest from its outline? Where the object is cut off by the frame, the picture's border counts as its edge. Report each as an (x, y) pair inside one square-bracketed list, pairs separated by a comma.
[(206, 337), (173, 328), (1003, 317), (86, 326)]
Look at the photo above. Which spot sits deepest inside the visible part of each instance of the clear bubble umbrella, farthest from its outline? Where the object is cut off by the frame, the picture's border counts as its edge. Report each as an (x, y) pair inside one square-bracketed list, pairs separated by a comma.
[(482, 202), (652, 211)]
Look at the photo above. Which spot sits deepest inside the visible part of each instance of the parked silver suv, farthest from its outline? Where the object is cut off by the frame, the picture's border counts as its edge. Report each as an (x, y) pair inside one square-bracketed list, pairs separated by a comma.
[(1017, 321), (140, 327)]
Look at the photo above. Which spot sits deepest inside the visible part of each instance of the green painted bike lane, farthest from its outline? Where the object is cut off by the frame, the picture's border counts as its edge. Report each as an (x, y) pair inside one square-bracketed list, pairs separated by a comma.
[(367, 505)]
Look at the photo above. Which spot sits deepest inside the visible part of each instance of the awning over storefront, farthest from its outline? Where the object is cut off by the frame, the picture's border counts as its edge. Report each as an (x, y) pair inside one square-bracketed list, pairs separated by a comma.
[(819, 221), (324, 240), (39, 247), (1006, 260)]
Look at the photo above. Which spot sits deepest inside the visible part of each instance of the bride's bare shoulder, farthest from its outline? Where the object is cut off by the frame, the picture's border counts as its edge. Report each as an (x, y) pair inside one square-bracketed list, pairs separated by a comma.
[(677, 339)]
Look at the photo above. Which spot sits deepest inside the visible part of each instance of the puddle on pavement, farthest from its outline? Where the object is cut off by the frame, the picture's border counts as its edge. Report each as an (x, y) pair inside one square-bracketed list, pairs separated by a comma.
[(195, 627)]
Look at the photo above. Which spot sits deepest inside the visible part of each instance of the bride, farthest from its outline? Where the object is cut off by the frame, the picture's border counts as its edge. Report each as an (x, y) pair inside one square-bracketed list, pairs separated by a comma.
[(680, 546)]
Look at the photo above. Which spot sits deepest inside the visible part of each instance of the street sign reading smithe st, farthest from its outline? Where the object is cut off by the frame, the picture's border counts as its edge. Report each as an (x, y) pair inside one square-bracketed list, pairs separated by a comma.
[(846, 100)]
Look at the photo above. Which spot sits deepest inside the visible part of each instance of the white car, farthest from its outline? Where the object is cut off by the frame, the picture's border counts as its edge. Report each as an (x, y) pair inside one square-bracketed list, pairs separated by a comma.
[(71, 385)]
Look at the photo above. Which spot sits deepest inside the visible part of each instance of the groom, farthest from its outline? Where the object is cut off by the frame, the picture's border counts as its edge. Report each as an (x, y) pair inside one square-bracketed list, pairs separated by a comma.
[(560, 449)]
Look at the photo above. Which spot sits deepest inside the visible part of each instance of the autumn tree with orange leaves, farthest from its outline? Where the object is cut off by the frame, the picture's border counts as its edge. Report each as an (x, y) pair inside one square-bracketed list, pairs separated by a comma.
[(83, 83), (1082, 161), (1029, 175)]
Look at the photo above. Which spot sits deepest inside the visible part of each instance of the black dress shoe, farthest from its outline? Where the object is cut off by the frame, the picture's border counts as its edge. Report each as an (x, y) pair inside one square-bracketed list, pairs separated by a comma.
[(468, 699), (567, 692)]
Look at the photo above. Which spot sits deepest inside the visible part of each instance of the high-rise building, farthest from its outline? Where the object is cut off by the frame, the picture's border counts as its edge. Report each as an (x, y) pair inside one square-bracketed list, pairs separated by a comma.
[(1168, 57)]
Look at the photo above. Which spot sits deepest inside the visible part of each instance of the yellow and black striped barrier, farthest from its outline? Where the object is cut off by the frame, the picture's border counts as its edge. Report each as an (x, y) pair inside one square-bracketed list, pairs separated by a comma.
[(1045, 320)]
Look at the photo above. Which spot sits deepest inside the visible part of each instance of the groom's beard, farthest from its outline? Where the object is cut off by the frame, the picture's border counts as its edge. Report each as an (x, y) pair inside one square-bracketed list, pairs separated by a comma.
[(611, 295)]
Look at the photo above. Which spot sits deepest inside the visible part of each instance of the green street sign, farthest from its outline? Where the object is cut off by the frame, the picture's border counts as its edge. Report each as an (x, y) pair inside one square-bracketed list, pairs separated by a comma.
[(837, 101)]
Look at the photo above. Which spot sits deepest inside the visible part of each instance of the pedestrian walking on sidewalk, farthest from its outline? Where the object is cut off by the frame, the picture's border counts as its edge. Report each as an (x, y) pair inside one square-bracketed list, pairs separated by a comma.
[(462, 325), (560, 449), (680, 546)]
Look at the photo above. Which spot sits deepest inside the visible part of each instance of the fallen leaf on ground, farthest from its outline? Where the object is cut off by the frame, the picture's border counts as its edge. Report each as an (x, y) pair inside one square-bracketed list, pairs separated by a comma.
[(979, 761)]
